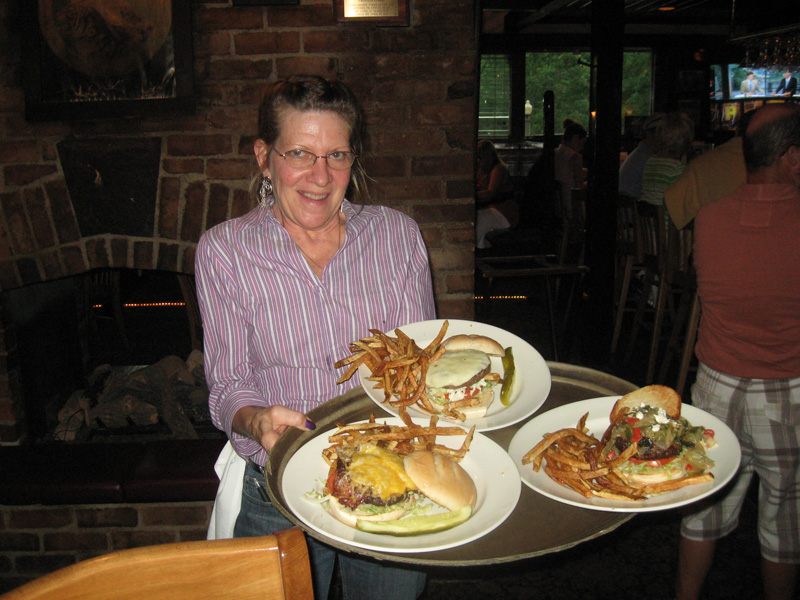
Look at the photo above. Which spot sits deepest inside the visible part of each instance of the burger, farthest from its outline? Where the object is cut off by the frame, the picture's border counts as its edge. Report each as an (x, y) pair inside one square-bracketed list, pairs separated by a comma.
[(461, 379), (668, 447), (370, 483)]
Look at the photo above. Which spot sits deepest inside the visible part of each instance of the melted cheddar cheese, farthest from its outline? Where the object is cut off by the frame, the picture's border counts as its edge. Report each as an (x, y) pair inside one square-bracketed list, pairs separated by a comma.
[(381, 469)]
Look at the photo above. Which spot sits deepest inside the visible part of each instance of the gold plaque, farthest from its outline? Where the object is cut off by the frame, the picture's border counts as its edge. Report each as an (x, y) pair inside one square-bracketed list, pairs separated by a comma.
[(381, 12)]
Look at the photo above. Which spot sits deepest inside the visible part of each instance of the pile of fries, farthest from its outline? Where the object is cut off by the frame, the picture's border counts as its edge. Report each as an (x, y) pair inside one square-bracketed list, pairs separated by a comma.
[(574, 459), (397, 364), (400, 439)]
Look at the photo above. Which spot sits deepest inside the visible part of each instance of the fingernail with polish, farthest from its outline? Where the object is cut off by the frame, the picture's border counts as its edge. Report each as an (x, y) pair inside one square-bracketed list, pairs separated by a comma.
[(310, 425)]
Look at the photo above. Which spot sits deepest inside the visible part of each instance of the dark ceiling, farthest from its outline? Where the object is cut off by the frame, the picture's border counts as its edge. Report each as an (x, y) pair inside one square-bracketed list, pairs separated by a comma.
[(741, 16)]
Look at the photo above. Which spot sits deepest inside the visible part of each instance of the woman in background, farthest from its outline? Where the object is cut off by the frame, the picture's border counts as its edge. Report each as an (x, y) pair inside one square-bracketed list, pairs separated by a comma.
[(494, 194), (675, 133), (569, 172)]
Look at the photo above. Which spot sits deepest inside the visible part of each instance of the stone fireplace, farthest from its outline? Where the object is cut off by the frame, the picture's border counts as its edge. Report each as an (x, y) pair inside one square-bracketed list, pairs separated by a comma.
[(92, 219)]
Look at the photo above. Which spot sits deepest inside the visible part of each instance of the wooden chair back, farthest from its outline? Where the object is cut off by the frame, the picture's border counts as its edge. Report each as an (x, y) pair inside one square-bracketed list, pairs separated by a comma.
[(651, 235), (273, 567)]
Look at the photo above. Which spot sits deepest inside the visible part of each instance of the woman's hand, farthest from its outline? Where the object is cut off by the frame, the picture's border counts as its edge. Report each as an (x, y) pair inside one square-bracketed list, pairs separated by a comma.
[(266, 424)]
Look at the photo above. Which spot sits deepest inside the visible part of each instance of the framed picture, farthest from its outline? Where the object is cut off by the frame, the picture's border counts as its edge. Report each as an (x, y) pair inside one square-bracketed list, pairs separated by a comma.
[(377, 12), (94, 59)]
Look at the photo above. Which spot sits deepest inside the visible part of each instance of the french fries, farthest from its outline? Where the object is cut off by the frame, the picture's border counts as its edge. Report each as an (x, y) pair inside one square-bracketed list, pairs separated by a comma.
[(398, 367), (574, 458), (401, 439)]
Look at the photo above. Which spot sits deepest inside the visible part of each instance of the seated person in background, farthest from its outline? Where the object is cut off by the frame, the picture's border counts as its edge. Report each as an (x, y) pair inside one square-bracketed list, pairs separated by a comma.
[(675, 134), (569, 172), (787, 86), (750, 86), (494, 194), (631, 171), (707, 178)]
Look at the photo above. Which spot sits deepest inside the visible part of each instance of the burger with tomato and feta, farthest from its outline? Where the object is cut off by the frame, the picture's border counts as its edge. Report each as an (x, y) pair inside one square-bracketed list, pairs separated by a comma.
[(668, 446), (461, 379)]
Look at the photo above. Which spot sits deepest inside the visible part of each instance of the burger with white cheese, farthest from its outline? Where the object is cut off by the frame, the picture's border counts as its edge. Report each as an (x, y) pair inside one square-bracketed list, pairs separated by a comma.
[(668, 446), (461, 379)]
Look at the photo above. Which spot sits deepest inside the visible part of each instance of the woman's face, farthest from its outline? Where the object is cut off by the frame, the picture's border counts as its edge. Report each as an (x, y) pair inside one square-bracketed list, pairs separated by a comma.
[(309, 197)]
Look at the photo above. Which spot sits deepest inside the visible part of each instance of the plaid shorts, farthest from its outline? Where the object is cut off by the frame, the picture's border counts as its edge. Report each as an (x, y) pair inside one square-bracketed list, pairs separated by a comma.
[(765, 416)]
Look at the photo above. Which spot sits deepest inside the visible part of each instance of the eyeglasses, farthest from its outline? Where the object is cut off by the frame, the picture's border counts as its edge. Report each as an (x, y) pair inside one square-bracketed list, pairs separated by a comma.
[(302, 159)]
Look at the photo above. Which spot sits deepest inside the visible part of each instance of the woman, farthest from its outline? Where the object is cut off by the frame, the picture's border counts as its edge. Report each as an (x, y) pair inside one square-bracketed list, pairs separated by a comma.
[(494, 194), (569, 172), (675, 133), (285, 288)]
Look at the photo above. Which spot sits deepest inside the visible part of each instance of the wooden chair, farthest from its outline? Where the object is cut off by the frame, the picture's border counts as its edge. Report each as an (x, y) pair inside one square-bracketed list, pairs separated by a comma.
[(551, 269), (629, 262), (651, 230), (273, 567)]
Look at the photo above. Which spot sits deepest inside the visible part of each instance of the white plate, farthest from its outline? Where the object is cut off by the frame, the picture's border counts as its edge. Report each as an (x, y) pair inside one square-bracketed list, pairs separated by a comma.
[(531, 386), (495, 476), (726, 456)]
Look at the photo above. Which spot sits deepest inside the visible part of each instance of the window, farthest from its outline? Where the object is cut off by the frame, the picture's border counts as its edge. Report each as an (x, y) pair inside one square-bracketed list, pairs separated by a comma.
[(568, 75), (494, 111)]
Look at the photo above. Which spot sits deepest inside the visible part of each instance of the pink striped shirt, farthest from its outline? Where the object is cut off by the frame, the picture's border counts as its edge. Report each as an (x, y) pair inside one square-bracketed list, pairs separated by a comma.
[(272, 329)]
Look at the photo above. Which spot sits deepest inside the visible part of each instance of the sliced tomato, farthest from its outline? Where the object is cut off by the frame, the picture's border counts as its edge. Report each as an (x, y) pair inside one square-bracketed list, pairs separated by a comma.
[(659, 462), (709, 432), (637, 434), (631, 420)]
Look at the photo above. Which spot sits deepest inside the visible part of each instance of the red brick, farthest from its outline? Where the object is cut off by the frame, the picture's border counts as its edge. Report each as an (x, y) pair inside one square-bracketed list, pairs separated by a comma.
[(459, 284), (18, 229), (143, 255), (306, 15), (122, 540), (187, 260), (173, 515), (14, 541), (39, 215), (198, 145), (97, 253), (218, 205), (51, 264), (268, 42), (405, 40), (169, 201), (344, 40), (191, 227), (443, 114), (410, 189), (19, 151), (212, 44), (41, 564), (237, 169), (234, 119), (82, 541), (454, 165), (325, 67), (168, 257), (74, 261), (119, 252), (219, 19), (460, 189), (26, 174), (182, 166), (243, 202), (118, 516), (409, 141), (450, 213), (62, 212), (239, 68), (457, 308), (193, 535), (41, 518)]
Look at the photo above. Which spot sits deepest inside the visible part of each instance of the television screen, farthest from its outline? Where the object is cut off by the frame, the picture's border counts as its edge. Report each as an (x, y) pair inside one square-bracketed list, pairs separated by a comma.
[(737, 81)]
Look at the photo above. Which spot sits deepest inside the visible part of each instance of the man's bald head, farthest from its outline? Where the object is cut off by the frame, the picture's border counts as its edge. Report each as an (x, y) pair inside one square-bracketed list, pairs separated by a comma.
[(772, 130)]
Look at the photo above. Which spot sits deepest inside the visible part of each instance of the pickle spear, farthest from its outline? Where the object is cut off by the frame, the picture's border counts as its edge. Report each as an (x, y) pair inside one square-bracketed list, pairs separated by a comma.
[(509, 374)]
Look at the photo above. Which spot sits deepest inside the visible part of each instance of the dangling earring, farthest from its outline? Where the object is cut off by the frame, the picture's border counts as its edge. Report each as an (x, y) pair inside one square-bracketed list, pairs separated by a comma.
[(264, 191)]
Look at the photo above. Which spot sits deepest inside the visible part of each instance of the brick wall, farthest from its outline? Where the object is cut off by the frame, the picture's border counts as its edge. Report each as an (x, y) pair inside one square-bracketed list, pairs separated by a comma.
[(417, 86), (37, 540)]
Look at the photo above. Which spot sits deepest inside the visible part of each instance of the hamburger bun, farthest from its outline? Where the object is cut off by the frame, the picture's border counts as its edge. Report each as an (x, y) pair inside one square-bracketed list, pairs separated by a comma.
[(663, 474), (441, 479), (474, 342), (349, 517), (657, 396)]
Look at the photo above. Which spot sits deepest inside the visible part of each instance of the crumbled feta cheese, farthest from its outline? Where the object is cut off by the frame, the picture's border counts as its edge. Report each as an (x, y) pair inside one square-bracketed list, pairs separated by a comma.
[(656, 427), (639, 415), (661, 416)]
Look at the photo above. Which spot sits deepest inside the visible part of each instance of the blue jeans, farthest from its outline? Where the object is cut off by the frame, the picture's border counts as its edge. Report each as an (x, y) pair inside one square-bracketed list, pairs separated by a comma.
[(362, 578)]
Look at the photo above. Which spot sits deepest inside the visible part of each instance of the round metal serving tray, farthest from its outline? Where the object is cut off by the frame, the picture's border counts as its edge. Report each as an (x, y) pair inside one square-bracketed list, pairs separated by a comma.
[(537, 526)]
